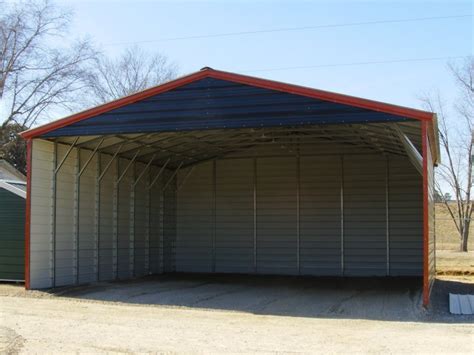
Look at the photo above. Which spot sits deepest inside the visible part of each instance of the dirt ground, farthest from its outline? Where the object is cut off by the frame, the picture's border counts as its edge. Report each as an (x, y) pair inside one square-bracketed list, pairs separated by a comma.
[(236, 314)]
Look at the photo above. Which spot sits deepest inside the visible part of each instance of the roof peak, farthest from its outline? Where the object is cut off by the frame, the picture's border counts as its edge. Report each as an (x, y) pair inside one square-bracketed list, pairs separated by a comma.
[(207, 72)]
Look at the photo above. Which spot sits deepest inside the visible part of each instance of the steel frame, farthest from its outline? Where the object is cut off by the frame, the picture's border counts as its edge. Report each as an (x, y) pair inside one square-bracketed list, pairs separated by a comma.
[(198, 146)]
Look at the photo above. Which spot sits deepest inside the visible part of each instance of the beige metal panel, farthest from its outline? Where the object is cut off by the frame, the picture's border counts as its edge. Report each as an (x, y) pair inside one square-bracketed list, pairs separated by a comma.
[(195, 220), (141, 217), (405, 218), (156, 248), (169, 222), (41, 223), (234, 240), (276, 215), (106, 222), (320, 215), (86, 219), (365, 235), (65, 224), (125, 242)]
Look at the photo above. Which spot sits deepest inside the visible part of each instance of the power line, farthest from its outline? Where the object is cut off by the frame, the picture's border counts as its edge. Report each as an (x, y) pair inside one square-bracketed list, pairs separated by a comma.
[(289, 29), (354, 64)]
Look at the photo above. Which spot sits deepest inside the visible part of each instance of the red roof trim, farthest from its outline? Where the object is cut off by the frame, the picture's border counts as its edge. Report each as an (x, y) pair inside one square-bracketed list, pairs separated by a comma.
[(238, 78)]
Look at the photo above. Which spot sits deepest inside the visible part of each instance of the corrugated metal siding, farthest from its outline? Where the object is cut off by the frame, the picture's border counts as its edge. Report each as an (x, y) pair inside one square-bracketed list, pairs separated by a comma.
[(320, 210), (431, 218), (125, 239), (209, 225), (405, 218), (195, 221), (169, 221), (276, 216), (141, 218), (12, 236), (87, 236), (213, 103), (41, 207), (234, 216), (65, 239), (156, 240), (107, 245), (365, 234)]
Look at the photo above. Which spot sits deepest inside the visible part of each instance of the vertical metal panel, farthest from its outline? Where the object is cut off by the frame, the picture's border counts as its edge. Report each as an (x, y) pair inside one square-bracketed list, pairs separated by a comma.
[(125, 237), (298, 236), (155, 223), (115, 219), (107, 226), (131, 230), (86, 218), (214, 211), (41, 214), (342, 216), (140, 221), (276, 215), (77, 186), (169, 225), (66, 193), (97, 218), (255, 253), (148, 226), (235, 216), (161, 241), (406, 218), (53, 214), (387, 214), (12, 236), (364, 216), (320, 215), (195, 216)]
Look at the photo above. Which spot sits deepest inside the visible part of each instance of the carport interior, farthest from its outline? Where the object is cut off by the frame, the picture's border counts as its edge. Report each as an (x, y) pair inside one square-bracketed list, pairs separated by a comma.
[(214, 175), (327, 200)]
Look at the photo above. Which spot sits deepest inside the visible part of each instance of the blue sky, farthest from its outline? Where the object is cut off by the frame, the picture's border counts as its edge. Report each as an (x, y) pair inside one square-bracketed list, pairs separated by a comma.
[(109, 22)]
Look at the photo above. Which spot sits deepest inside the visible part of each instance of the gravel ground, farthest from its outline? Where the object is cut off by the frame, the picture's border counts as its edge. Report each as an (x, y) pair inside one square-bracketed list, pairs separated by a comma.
[(216, 314)]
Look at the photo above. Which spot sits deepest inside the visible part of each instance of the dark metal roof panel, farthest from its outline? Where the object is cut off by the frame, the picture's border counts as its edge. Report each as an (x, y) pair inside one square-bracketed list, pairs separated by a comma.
[(212, 103)]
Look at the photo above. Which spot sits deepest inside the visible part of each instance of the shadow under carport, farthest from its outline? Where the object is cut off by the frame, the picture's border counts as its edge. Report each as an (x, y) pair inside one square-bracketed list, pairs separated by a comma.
[(394, 299)]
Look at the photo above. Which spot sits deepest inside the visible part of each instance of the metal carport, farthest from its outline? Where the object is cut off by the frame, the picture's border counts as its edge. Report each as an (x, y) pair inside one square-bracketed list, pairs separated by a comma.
[(220, 172)]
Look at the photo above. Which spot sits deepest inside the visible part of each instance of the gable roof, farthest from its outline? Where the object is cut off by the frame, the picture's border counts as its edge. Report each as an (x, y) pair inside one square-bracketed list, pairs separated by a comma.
[(364, 104), (237, 78)]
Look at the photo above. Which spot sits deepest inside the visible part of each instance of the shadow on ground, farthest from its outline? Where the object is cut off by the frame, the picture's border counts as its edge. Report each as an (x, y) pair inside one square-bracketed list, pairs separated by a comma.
[(395, 299)]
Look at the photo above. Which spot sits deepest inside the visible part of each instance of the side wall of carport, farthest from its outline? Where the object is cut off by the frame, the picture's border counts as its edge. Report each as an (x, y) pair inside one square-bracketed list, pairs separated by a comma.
[(103, 229), (334, 210)]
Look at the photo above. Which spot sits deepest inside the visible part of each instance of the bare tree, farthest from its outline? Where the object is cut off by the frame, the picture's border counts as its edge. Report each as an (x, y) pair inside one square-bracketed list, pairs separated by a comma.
[(37, 73), (455, 173), (134, 70)]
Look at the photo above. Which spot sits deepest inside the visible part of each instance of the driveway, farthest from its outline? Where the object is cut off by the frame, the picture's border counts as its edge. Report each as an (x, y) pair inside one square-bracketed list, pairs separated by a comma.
[(238, 314)]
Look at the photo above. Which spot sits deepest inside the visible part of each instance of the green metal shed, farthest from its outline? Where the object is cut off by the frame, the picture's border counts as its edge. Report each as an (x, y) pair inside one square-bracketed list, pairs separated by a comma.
[(12, 230)]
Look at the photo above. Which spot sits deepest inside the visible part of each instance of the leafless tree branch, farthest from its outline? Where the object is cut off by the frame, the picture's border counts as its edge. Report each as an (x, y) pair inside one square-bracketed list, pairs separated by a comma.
[(134, 70)]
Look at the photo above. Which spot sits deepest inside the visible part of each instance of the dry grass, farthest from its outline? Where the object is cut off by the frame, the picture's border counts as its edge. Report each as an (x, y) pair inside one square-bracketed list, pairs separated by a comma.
[(449, 260), (447, 237)]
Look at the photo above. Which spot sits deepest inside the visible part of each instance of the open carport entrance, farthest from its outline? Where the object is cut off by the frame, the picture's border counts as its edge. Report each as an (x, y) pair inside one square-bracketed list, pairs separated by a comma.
[(217, 172)]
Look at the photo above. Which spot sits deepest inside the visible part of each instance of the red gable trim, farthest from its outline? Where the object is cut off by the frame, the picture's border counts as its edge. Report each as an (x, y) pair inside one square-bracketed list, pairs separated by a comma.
[(238, 78)]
